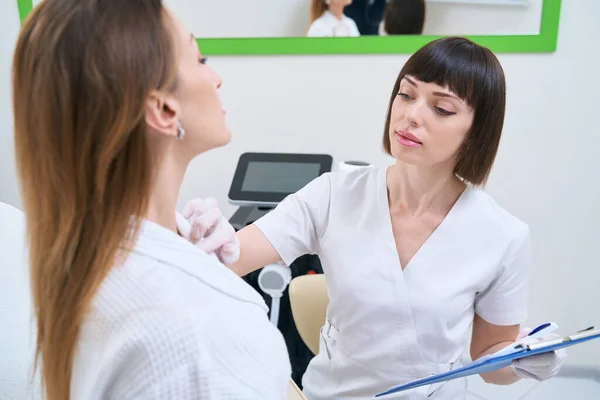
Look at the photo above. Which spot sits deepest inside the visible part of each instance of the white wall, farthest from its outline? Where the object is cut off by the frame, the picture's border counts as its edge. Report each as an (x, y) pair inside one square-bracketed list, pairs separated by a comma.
[(244, 18), (9, 20), (17, 324), (284, 18), (546, 173), (447, 18)]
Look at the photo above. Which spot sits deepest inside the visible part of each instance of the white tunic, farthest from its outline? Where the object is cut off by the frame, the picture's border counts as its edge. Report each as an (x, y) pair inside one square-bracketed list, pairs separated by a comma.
[(174, 323), (387, 326), (328, 25)]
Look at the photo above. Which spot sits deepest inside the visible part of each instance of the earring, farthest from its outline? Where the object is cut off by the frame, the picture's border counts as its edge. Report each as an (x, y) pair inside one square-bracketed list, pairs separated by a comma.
[(180, 131)]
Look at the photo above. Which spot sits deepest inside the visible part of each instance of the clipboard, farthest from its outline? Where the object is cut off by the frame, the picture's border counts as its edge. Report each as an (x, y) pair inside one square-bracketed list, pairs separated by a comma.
[(493, 362)]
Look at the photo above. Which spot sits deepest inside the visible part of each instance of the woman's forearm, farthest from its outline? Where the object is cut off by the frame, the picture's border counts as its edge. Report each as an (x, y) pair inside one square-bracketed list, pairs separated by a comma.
[(255, 251), (504, 376)]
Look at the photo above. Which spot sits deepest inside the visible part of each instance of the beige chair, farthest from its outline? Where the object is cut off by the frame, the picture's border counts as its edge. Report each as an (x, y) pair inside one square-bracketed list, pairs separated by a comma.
[(294, 392), (309, 300)]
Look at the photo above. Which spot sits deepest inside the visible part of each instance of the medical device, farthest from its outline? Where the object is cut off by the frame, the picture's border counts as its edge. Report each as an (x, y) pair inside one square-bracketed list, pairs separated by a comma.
[(273, 280), (264, 179), (260, 182)]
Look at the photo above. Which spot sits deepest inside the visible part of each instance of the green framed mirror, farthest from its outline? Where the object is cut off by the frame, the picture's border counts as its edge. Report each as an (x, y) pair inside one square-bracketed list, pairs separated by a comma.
[(281, 27)]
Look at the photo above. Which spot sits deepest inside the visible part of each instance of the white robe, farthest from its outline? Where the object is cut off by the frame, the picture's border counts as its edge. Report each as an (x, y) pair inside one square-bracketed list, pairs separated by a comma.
[(174, 323), (328, 25)]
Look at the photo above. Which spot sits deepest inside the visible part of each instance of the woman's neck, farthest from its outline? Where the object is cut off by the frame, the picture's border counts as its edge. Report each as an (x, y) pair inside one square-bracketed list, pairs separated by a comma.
[(417, 189), (165, 192), (336, 10)]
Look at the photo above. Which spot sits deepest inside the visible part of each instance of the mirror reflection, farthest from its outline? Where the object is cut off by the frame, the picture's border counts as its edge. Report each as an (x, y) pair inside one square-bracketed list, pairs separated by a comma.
[(352, 18)]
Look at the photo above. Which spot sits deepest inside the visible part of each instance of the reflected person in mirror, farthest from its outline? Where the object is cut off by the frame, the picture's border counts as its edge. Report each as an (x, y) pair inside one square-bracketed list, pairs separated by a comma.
[(403, 17), (367, 14), (417, 257), (328, 19)]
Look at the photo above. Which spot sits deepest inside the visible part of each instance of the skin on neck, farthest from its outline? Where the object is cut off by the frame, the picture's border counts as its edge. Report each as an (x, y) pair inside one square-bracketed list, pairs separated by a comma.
[(417, 189), (337, 10), (165, 191)]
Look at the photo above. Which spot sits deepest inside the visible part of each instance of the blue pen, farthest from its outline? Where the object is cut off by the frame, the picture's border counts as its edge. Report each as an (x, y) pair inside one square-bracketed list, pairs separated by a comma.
[(539, 328), (540, 331)]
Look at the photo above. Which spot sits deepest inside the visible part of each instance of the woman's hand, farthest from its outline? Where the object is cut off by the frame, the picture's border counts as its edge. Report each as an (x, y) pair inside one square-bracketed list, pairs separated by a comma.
[(542, 366), (210, 231)]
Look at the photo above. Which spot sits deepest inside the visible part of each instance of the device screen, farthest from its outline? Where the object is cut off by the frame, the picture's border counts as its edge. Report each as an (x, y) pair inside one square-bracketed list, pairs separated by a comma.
[(278, 177)]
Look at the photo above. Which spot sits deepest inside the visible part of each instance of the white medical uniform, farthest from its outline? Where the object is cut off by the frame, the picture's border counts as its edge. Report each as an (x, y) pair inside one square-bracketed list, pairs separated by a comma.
[(387, 326), (328, 25), (174, 323)]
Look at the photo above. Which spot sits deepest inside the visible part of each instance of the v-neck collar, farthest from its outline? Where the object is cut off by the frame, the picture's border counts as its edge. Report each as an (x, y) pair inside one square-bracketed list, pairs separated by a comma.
[(384, 201)]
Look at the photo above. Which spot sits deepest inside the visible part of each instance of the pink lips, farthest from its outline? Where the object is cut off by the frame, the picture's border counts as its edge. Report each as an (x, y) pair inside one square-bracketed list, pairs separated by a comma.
[(408, 139)]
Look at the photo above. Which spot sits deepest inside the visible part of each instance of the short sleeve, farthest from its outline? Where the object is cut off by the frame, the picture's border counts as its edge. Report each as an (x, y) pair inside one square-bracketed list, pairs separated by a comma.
[(504, 302), (155, 356), (296, 226)]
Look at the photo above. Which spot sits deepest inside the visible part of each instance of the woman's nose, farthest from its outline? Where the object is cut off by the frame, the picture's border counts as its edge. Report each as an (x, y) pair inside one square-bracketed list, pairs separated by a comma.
[(413, 114), (216, 78)]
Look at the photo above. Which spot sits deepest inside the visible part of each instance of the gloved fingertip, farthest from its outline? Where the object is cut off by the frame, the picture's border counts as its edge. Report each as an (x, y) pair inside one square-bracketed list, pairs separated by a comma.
[(228, 258), (187, 211), (196, 233)]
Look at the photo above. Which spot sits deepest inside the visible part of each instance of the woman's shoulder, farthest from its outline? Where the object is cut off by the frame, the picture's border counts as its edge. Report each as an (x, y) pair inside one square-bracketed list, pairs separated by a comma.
[(352, 24), (319, 27), (131, 349), (356, 180), (155, 321), (137, 293), (352, 183), (355, 189), (141, 308), (494, 216)]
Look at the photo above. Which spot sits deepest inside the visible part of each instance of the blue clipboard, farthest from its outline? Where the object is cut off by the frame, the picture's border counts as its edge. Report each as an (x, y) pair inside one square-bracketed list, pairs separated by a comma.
[(492, 363)]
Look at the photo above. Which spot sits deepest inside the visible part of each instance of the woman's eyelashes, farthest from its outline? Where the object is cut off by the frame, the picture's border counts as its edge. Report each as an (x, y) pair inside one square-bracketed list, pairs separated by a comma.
[(440, 110)]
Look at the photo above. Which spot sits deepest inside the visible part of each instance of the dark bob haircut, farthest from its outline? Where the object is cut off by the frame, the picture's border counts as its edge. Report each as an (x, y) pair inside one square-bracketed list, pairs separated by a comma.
[(475, 75), (404, 17)]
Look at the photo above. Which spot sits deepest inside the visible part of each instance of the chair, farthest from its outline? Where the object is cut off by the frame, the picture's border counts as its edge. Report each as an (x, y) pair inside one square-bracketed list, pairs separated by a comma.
[(294, 392), (17, 336), (308, 301)]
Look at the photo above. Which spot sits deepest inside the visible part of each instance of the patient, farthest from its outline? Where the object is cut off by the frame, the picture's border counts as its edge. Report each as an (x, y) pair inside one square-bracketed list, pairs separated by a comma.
[(112, 100), (327, 19)]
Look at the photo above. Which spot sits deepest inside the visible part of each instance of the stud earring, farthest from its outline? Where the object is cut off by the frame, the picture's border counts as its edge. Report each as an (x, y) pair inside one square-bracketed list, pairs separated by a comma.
[(180, 131)]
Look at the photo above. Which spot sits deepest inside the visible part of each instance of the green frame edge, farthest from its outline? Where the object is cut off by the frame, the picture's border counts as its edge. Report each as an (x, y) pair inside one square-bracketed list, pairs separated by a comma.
[(544, 42)]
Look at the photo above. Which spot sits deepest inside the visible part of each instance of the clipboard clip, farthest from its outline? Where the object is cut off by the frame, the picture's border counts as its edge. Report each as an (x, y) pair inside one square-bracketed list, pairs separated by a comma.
[(591, 328), (589, 332)]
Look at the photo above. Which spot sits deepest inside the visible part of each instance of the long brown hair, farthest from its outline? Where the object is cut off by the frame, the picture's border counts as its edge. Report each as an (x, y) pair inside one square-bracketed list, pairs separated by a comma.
[(317, 8), (82, 73)]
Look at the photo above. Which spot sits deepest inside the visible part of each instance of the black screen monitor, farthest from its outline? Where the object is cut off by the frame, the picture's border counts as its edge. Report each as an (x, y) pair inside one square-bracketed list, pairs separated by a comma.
[(264, 179)]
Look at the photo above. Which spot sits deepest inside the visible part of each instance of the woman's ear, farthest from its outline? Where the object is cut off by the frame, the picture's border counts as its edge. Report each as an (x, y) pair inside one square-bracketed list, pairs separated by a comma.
[(162, 114)]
